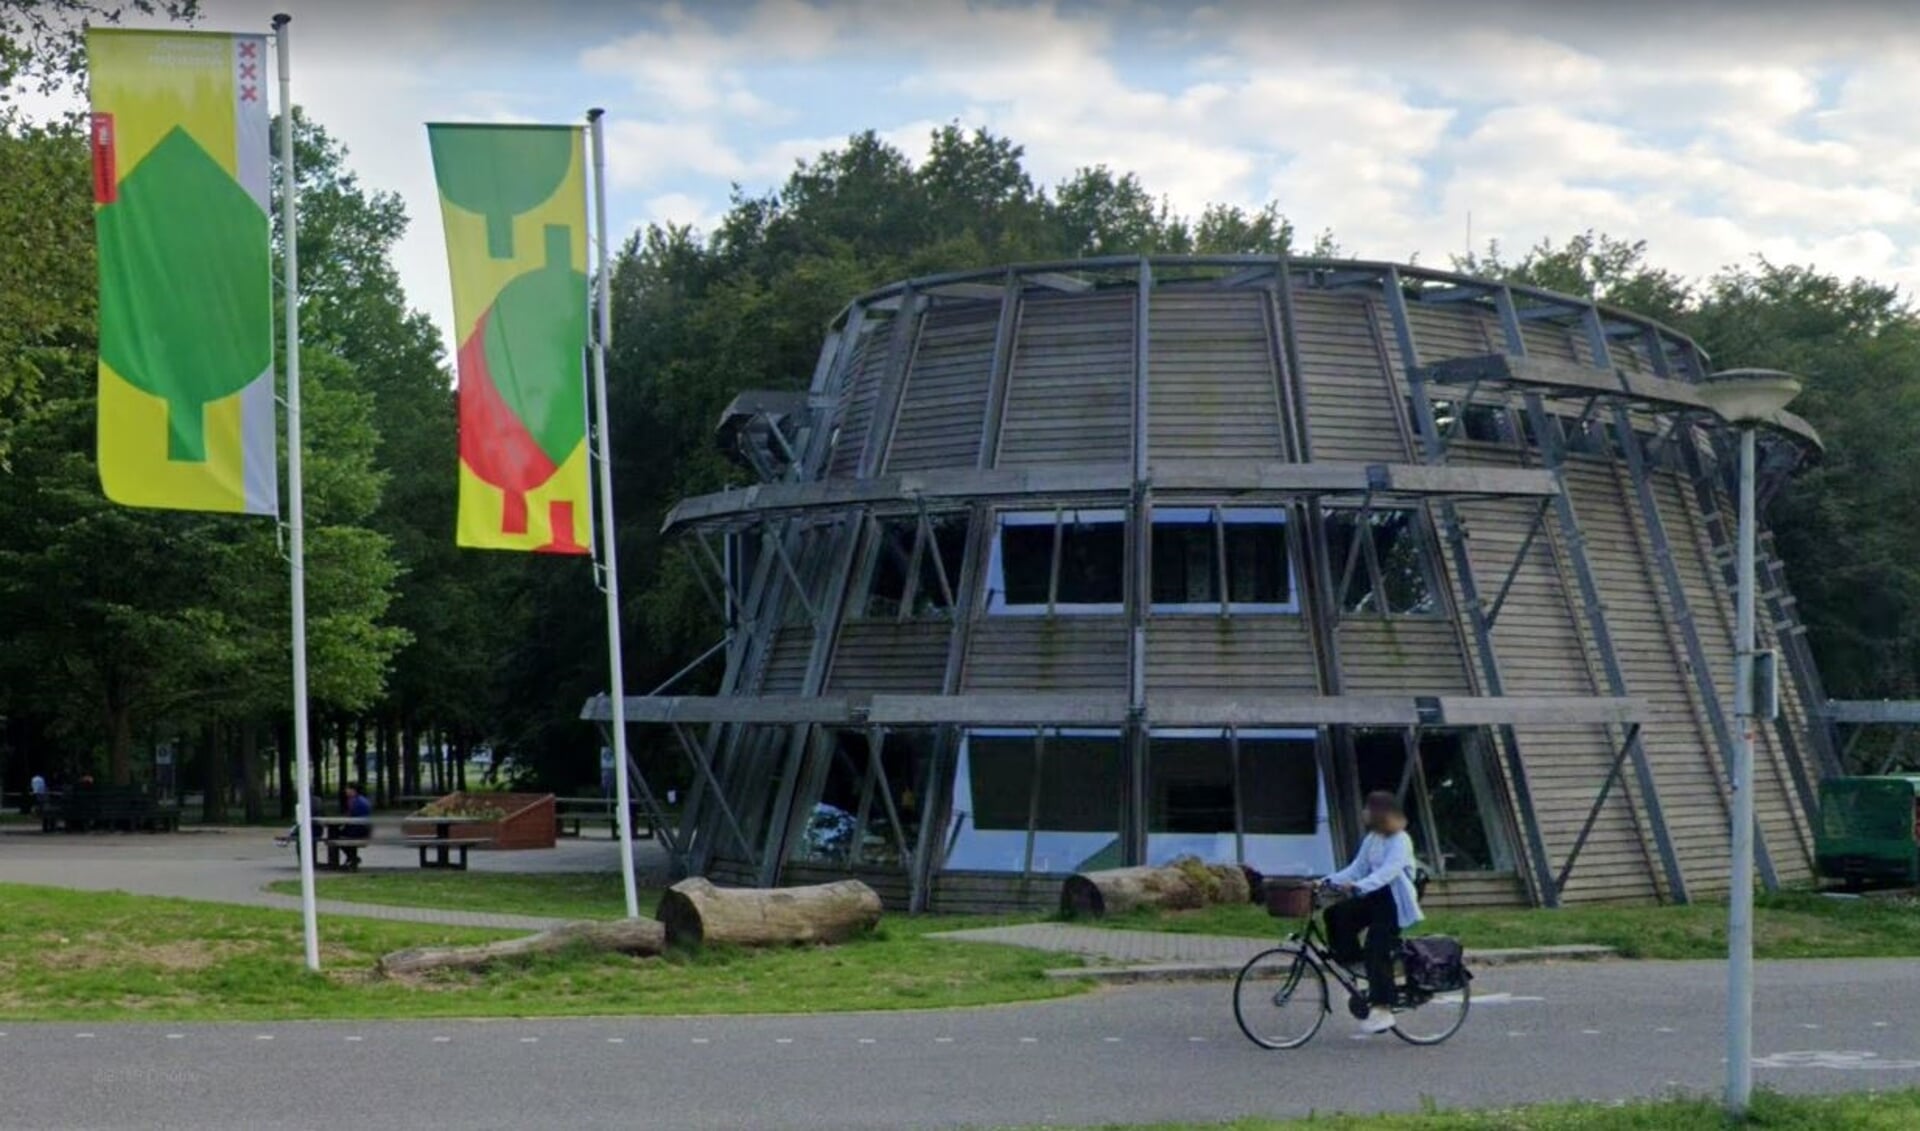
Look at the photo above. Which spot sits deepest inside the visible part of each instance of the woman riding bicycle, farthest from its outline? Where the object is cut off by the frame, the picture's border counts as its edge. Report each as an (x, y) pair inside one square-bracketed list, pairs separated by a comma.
[(1382, 902)]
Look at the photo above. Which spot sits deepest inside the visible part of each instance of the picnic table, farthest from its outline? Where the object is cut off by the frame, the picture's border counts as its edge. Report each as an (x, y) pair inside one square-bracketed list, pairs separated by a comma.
[(96, 808), (330, 835), (569, 813)]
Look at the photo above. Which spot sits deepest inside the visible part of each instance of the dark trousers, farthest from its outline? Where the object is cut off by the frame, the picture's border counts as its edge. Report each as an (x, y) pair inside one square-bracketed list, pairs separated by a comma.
[(1377, 915)]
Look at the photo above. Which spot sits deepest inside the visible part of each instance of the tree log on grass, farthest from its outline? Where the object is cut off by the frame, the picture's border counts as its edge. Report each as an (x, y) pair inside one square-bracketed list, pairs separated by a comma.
[(1183, 885), (696, 913), (624, 936)]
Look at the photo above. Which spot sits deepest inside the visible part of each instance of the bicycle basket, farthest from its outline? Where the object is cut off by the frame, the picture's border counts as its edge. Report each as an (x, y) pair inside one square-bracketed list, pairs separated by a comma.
[(1435, 964), (1289, 899)]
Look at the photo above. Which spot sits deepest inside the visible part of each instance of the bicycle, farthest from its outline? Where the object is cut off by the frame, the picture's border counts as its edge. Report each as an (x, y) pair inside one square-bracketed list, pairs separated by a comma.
[(1280, 997)]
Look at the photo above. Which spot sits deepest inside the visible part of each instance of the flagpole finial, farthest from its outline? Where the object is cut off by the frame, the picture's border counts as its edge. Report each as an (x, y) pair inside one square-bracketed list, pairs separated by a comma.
[(595, 114), (280, 20)]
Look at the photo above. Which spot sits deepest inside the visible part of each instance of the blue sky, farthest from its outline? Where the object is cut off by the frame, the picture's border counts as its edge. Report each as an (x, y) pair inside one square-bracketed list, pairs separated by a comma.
[(1714, 131)]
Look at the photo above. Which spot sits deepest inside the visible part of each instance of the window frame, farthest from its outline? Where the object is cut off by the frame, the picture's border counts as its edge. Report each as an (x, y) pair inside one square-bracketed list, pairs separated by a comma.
[(1364, 553), (926, 548), (1219, 518), (996, 595)]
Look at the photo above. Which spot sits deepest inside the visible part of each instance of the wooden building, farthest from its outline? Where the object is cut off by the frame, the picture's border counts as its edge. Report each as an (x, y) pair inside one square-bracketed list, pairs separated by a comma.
[(1066, 565)]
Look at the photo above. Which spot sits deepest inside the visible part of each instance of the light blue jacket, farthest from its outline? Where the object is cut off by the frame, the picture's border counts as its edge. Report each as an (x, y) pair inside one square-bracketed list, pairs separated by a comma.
[(1385, 861)]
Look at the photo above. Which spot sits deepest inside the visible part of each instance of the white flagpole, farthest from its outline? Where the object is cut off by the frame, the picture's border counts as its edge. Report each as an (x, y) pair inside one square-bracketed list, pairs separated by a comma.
[(296, 518), (608, 556)]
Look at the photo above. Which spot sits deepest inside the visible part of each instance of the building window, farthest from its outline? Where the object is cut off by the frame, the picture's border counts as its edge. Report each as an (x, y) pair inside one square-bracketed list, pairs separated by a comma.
[(1200, 553), (1380, 562), (1448, 792), (916, 568), (1479, 423), (1045, 802), (1249, 797), (863, 816), (1074, 561), (1066, 561)]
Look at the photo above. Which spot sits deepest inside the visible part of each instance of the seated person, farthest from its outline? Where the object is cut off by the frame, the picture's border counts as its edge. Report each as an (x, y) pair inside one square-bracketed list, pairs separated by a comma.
[(355, 804)]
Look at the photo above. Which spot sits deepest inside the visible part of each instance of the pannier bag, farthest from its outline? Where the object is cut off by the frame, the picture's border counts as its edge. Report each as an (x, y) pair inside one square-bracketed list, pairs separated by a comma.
[(1435, 964)]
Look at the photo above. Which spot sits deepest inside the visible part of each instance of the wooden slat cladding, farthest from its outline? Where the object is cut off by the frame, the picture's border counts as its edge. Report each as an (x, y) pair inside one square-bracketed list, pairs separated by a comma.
[(1206, 653), (1401, 655), (943, 408), (908, 657), (1678, 736), (1352, 411), (1788, 834), (1539, 640), (787, 661), (1070, 392), (1460, 890), (1212, 388), (865, 371), (1065, 653), (1453, 330)]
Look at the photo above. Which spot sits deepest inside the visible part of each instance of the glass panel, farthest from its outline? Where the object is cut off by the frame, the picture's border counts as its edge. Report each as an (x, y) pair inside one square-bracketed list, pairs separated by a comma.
[(1258, 572), (1080, 785), (1358, 596), (1403, 572), (1026, 562), (1283, 809), (1380, 756), (890, 569), (1461, 800), (1184, 571), (1190, 800), (1093, 560)]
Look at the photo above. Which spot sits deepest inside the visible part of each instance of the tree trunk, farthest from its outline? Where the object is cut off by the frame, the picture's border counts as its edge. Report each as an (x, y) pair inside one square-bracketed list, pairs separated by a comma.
[(410, 758), (696, 913), (390, 758), (340, 752), (289, 798), (120, 753), (1181, 886), (360, 753), (625, 936), (250, 771), (213, 774)]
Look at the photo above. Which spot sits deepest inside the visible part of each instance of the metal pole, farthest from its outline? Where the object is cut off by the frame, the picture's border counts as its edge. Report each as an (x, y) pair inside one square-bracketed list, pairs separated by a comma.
[(296, 504), (616, 676), (1740, 898)]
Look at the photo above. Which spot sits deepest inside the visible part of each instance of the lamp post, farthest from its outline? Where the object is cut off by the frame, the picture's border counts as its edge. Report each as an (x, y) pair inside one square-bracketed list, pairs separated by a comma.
[(1746, 399)]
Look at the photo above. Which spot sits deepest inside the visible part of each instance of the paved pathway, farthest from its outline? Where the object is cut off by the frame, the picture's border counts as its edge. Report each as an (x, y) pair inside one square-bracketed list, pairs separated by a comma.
[(1120, 945), (236, 865), (1590, 1031)]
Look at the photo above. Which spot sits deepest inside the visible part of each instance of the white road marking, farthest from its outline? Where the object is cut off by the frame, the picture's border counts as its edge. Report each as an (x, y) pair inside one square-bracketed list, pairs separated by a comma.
[(83, 1036), (1029, 1040), (263, 1036), (529, 1040), (783, 1040), (355, 1040), (1663, 1029), (1876, 1024), (442, 1040), (1844, 1061), (1111, 1040), (703, 1040), (1197, 1040), (1503, 999), (943, 1040), (1515, 1033), (1590, 1032), (867, 1040), (616, 1040), (170, 1036)]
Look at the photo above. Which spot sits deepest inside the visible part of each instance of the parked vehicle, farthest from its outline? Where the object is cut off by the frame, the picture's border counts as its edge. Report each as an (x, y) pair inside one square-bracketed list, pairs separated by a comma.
[(1870, 830)]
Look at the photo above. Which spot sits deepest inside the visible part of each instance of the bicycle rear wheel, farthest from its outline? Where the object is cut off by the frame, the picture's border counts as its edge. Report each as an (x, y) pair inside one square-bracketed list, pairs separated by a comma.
[(1435, 1019), (1280, 998)]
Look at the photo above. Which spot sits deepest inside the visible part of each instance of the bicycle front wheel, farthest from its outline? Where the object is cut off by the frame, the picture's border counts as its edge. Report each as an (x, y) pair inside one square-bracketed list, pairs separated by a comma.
[(1435, 1019), (1280, 998)]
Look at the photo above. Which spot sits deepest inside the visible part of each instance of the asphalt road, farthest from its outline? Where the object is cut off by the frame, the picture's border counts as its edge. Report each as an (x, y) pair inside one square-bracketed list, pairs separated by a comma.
[(1600, 1031)]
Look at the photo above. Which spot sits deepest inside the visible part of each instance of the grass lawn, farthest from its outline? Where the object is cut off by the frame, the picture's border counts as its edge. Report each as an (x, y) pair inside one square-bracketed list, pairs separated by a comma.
[(68, 955), (1890, 1111), (1786, 925), (558, 895)]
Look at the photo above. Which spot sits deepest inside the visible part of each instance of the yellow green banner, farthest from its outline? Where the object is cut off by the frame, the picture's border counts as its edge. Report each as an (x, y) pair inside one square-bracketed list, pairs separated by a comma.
[(179, 139), (514, 204)]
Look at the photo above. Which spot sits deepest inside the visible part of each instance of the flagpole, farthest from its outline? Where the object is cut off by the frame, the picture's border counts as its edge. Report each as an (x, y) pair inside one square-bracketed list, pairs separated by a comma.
[(296, 518), (616, 677)]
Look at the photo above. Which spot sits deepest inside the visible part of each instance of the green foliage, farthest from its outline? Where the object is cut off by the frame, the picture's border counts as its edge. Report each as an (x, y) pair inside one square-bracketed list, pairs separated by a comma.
[(43, 45)]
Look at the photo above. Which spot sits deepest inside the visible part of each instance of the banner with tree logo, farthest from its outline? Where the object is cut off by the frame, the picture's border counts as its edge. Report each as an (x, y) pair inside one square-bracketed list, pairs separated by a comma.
[(180, 167), (514, 204)]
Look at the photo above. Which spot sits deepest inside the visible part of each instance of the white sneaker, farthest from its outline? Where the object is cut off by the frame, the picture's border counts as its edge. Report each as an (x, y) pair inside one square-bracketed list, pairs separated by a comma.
[(1379, 1020)]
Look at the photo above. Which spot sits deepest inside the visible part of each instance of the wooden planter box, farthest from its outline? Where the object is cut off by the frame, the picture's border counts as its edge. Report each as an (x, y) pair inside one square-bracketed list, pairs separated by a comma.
[(528, 820)]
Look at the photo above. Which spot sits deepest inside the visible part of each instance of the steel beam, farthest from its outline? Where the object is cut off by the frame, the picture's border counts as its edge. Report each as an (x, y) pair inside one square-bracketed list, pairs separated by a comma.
[(1534, 846)]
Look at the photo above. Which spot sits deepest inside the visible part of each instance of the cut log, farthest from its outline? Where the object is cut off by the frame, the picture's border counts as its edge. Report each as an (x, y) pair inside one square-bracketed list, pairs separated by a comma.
[(696, 913), (1183, 885), (624, 936)]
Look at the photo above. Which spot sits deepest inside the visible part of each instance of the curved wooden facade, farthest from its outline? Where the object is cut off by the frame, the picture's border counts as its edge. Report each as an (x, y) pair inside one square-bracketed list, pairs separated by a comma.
[(1100, 562)]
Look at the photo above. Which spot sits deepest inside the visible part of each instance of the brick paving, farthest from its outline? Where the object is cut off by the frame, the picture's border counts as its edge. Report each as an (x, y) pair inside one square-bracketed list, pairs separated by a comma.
[(1119, 946)]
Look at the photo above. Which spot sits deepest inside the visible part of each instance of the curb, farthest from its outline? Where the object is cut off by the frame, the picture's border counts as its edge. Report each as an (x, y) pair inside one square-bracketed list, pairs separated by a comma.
[(1227, 971)]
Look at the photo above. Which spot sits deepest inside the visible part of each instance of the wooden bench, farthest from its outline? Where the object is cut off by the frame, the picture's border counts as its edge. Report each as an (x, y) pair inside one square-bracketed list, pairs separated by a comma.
[(107, 808), (440, 846), (571, 813)]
